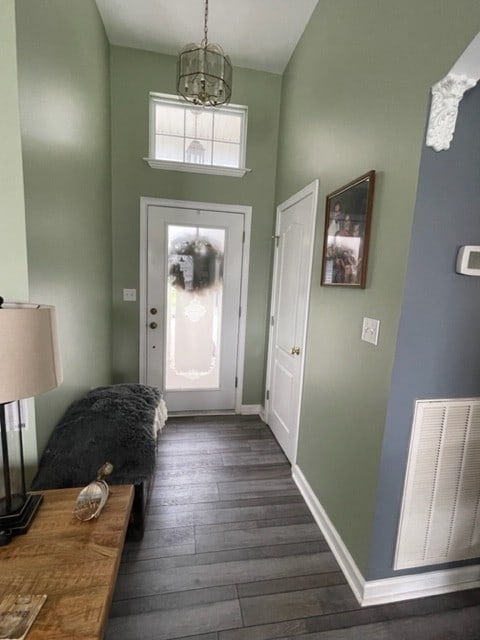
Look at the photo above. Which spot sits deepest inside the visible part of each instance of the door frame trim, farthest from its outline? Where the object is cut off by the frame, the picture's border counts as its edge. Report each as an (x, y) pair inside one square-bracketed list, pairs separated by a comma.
[(246, 211), (310, 189)]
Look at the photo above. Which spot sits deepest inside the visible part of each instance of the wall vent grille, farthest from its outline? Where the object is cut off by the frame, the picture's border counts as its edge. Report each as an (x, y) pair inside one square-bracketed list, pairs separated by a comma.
[(440, 516)]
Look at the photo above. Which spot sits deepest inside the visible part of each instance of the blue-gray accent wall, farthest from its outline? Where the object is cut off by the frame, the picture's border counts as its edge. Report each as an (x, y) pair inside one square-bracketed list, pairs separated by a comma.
[(438, 348)]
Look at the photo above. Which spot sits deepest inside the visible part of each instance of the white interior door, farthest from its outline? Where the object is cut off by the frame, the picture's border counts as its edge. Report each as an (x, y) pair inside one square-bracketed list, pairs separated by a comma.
[(294, 234), (194, 278)]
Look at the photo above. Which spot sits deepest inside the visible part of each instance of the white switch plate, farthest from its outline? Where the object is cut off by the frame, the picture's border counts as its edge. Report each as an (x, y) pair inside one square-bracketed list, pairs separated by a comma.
[(370, 330), (129, 295)]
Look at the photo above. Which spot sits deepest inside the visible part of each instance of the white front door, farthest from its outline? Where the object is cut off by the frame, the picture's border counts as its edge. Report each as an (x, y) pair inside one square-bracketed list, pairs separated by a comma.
[(194, 259), (295, 230)]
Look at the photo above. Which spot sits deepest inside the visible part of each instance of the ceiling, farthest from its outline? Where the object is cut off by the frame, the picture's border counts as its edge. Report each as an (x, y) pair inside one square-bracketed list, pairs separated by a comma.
[(256, 34)]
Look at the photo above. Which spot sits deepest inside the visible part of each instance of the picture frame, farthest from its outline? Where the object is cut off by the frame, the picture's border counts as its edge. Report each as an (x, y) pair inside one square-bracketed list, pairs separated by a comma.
[(348, 214)]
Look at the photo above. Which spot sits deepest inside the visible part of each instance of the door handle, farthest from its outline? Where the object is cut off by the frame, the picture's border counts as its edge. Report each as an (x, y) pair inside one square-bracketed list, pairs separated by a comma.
[(295, 351), (153, 325)]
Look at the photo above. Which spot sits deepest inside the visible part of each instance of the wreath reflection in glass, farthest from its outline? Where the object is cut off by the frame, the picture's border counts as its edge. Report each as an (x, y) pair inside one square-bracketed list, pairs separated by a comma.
[(195, 265)]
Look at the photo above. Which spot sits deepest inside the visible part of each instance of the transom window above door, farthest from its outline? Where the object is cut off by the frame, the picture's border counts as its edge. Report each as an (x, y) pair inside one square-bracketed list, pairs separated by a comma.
[(184, 137)]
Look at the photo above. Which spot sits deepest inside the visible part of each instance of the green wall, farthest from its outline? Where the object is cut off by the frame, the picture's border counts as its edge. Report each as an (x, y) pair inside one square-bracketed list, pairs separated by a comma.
[(13, 263), (63, 73), (14, 271), (354, 98), (134, 74)]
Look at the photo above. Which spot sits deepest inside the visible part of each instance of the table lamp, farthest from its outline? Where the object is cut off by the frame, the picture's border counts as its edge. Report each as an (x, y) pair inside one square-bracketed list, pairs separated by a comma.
[(29, 365)]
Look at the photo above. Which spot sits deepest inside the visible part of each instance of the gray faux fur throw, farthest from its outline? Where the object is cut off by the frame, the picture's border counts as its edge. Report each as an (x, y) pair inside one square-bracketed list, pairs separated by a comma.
[(114, 424)]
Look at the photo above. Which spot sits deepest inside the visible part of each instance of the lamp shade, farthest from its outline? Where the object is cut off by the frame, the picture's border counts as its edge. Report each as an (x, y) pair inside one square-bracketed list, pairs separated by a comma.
[(29, 354)]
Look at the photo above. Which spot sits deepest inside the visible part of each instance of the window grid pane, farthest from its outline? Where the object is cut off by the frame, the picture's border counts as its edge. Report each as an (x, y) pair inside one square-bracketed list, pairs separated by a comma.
[(198, 152), (228, 127), (198, 124), (226, 154), (169, 147), (169, 119)]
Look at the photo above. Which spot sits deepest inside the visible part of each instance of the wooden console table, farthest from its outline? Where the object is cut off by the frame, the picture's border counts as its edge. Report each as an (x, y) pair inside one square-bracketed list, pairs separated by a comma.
[(74, 563)]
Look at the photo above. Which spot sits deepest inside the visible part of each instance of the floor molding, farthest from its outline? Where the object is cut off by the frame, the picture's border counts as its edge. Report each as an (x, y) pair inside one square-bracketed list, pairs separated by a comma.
[(250, 409), (338, 548), (420, 585), (199, 414), (371, 592)]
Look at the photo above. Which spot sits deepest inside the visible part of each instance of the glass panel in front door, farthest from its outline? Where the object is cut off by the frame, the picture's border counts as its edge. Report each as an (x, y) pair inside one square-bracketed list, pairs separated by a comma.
[(194, 307)]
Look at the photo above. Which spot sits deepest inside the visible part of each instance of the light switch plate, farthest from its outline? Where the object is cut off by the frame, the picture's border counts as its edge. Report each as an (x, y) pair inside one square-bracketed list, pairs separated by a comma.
[(370, 330), (129, 295)]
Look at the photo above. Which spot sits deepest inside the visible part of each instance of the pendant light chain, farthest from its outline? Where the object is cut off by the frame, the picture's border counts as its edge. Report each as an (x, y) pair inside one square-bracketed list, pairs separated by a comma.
[(206, 21)]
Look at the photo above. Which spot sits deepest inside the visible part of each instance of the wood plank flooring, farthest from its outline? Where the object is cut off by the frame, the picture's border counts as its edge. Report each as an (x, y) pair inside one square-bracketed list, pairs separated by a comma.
[(231, 552)]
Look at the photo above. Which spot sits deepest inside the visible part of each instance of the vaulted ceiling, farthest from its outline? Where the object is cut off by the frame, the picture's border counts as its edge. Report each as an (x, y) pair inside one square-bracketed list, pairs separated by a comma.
[(256, 34)]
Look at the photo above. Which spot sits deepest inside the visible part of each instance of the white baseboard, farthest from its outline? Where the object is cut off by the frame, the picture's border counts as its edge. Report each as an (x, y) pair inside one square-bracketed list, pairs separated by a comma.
[(338, 548), (370, 592), (250, 409), (420, 585)]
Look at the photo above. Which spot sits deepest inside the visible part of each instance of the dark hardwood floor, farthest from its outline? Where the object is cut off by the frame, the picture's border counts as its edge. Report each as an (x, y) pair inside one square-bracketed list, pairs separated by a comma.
[(231, 552)]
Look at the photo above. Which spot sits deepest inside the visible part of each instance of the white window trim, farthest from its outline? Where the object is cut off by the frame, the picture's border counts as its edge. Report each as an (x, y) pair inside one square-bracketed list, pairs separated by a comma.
[(174, 165), (189, 167)]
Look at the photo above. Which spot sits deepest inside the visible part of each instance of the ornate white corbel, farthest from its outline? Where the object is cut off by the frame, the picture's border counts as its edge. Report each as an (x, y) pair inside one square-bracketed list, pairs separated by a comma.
[(446, 96)]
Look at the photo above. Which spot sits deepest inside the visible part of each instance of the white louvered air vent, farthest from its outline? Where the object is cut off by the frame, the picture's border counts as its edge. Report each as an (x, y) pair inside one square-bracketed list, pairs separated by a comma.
[(440, 517)]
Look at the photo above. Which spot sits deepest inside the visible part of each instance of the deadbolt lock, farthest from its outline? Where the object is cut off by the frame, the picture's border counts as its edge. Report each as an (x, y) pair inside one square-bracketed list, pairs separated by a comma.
[(153, 311)]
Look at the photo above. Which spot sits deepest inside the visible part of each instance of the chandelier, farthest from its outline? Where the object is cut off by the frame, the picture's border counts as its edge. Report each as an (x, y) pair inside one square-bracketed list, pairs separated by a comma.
[(204, 72)]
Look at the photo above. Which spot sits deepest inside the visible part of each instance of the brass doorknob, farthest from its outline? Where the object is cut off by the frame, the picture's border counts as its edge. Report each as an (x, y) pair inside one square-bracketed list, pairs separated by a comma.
[(295, 351), (153, 325)]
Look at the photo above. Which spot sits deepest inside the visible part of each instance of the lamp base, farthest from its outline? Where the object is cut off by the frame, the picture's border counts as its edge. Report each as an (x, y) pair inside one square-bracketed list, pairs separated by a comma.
[(20, 521)]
